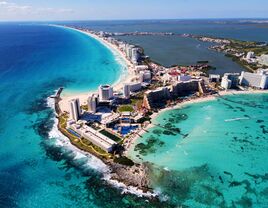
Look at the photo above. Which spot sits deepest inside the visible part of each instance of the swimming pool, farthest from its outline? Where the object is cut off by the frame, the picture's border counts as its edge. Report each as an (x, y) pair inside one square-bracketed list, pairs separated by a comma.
[(124, 130)]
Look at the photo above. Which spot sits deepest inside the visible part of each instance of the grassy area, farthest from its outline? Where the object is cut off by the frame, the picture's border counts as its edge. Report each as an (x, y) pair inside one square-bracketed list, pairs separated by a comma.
[(246, 46), (111, 136), (81, 143), (126, 108)]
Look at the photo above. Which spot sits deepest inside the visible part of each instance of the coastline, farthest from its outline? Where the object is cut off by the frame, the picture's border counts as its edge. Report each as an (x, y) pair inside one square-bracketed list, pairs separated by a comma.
[(127, 73), (130, 179), (189, 101), (113, 174)]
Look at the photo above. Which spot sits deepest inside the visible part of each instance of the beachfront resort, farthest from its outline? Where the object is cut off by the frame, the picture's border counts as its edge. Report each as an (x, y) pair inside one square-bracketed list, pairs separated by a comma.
[(108, 121)]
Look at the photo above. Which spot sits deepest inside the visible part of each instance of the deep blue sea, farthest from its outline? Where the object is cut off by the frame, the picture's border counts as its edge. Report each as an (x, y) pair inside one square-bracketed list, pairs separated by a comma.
[(35, 171), (38, 168)]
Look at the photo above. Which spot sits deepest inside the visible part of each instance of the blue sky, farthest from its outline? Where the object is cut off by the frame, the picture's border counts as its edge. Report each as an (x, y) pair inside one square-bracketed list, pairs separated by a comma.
[(130, 9)]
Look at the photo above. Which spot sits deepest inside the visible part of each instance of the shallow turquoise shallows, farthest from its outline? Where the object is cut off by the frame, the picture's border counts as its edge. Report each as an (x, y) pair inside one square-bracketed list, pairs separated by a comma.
[(211, 154)]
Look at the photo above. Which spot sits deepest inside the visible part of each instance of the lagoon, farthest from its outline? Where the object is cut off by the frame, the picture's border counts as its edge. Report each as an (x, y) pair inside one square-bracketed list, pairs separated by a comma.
[(219, 156)]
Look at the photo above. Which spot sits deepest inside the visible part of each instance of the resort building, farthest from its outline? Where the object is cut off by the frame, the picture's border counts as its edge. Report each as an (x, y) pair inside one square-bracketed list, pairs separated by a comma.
[(185, 88), (156, 98), (145, 76), (140, 68), (126, 91), (135, 55), (94, 137), (230, 80), (92, 103), (226, 83), (135, 86), (105, 92), (75, 111), (258, 80), (214, 77)]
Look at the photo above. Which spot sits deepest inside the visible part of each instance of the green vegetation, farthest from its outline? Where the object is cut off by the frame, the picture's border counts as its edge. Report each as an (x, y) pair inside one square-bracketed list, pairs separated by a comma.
[(248, 67), (126, 108), (246, 46), (110, 135), (80, 143), (124, 161)]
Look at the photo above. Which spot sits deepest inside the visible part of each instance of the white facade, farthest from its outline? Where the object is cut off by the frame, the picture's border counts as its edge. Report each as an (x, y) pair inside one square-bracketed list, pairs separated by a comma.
[(258, 80), (140, 68), (134, 86), (75, 111), (95, 137), (214, 77), (126, 90), (134, 55), (145, 76), (226, 83), (92, 103), (250, 55), (105, 92)]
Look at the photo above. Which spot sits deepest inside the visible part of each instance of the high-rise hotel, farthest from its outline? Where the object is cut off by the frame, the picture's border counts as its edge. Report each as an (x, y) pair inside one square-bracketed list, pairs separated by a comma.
[(105, 92), (75, 111)]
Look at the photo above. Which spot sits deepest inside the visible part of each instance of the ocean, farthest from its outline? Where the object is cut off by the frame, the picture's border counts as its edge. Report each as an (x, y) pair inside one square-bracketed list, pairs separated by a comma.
[(210, 154), (40, 169)]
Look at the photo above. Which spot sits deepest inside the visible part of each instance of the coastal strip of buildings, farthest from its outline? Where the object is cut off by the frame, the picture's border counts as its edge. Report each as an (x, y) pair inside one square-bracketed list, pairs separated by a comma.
[(103, 125)]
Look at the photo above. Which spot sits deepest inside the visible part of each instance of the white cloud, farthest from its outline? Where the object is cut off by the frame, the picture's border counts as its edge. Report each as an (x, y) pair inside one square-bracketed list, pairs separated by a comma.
[(13, 10)]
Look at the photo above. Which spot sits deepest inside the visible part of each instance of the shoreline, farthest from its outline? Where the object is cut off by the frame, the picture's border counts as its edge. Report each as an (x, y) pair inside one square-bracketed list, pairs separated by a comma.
[(113, 173), (188, 101), (127, 70)]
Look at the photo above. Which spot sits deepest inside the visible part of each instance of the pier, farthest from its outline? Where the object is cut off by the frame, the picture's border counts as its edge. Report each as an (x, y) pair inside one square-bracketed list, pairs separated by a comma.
[(57, 99)]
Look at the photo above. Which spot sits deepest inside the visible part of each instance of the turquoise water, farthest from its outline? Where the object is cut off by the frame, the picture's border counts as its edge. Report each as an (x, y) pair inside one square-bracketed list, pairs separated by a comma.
[(38, 168), (210, 154)]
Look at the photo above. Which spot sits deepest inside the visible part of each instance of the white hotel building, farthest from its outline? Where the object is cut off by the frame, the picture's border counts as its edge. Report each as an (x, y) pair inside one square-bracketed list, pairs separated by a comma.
[(258, 80), (105, 92), (75, 111)]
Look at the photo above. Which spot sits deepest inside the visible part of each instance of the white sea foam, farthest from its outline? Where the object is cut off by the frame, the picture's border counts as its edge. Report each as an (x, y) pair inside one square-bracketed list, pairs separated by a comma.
[(128, 189), (86, 161)]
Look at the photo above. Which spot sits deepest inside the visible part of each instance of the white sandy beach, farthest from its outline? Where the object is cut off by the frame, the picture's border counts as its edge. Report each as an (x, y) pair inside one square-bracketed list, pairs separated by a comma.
[(128, 76), (132, 139)]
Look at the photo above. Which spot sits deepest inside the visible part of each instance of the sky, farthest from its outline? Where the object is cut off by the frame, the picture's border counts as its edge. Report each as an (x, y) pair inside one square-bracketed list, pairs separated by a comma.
[(43, 10)]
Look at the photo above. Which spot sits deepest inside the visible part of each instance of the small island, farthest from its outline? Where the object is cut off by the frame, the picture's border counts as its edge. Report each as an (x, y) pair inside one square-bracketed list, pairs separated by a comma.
[(106, 123)]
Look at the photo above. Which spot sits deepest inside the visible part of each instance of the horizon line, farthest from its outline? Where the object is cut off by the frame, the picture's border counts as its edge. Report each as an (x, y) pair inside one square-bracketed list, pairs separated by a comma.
[(145, 19)]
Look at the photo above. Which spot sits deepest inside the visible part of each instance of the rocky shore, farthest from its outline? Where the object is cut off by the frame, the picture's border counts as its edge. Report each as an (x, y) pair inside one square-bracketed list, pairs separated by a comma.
[(136, 175)]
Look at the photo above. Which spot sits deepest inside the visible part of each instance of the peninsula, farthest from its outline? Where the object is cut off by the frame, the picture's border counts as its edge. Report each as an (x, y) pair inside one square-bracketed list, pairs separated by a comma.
[(106, 122)]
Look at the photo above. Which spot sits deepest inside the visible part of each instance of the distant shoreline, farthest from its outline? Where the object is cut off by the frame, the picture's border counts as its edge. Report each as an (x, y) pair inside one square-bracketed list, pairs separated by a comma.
[(124, 78)]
